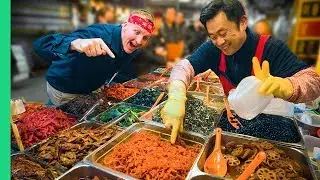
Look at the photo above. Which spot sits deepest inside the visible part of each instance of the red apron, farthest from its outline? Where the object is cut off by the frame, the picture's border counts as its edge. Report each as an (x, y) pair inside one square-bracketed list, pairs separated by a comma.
[(226, 84)]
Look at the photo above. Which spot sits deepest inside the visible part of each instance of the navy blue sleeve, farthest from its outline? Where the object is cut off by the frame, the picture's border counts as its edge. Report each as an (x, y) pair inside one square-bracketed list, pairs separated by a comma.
[(283, 63), (56, 46), (204, 58)]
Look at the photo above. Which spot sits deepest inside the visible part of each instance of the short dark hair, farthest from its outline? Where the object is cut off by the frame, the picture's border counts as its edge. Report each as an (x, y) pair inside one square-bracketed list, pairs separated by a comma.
[(232, 8)]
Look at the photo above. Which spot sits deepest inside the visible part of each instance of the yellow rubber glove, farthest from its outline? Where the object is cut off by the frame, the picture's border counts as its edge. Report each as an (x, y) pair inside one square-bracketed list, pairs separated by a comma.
[(173, 111), (279, 87), (318, 64)]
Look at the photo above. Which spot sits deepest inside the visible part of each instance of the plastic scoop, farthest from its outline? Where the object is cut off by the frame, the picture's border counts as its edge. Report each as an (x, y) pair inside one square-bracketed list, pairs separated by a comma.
[(216, 163), (260, 157)]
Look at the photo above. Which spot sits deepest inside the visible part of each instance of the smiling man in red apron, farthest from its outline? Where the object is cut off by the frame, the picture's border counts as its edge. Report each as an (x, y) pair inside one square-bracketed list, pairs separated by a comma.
[(229, 53)]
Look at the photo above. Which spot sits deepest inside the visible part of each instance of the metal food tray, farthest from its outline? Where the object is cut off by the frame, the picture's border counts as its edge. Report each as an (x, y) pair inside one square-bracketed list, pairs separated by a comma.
[(43, 165), (100, 153), (148, 116), (145, 79), (130, 99), (136, 79), (160, 86), (298, 155), (166, 74), (210, 80), (216, 87), (16, 147), (96, 105), (116, 106), (31, 151), (299, 145), (91, 108), (118, 119), (82, 170), (213, 98)]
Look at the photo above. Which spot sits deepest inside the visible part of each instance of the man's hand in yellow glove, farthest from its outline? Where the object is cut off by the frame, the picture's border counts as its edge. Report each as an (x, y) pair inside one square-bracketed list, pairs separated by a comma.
[(173, 111), (279, 87)]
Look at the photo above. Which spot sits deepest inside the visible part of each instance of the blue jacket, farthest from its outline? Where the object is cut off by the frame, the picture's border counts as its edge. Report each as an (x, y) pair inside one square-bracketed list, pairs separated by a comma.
[(74, 72)]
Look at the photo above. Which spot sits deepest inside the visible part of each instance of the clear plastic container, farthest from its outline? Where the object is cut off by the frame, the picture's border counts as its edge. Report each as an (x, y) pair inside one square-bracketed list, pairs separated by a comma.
[(246, 101)]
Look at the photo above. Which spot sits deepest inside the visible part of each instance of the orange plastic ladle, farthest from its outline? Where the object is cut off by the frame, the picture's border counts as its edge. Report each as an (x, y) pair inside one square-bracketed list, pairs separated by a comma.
[(261, 156), (216, 164)]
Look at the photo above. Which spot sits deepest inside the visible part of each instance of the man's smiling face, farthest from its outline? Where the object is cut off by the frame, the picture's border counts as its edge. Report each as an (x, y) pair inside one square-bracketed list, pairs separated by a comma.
[(134, 37), (225, 34)]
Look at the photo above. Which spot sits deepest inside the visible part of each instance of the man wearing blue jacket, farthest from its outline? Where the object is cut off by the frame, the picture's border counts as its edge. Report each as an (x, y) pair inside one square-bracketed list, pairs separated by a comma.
[(83, 60)]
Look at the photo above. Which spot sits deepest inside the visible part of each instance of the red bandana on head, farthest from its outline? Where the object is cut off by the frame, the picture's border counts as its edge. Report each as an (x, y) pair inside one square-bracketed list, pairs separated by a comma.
[(144, 23)]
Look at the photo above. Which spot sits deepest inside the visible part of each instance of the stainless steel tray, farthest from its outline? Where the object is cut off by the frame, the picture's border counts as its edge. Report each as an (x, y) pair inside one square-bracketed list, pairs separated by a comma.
[(205, 177), (298, 155), (148, 116), (101, 152), (215, 88), (162, 86), (299, 145), (129, 100), (15, 145), (55, 172), (86, 170), (157, 72), (32, 150), (136, 79), (216, 101), (197, 95), (116, 106)]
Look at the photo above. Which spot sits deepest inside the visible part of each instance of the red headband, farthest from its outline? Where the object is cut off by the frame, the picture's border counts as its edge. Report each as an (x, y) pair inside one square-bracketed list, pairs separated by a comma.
[(144, 23)]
